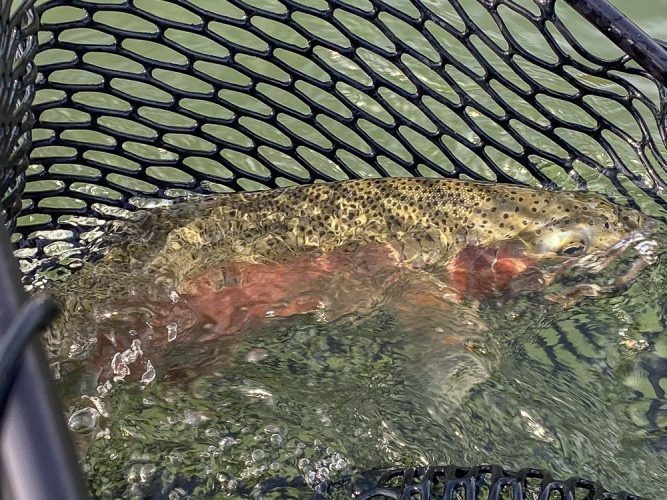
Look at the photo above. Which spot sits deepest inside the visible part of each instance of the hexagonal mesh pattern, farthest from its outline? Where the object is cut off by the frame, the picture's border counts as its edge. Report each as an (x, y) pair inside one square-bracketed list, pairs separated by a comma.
[(155, 98)]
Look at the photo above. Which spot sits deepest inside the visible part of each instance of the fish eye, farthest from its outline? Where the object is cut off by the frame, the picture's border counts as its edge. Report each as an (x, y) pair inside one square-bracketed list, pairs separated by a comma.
[(572, 248)]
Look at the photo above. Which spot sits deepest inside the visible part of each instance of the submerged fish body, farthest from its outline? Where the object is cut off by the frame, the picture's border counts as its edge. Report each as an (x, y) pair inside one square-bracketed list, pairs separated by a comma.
[(469, 226), (232, 259)]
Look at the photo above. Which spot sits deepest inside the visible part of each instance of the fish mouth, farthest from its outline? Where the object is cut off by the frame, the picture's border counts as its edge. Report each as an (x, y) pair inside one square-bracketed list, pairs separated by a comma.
[(566, 280), (606, 273)]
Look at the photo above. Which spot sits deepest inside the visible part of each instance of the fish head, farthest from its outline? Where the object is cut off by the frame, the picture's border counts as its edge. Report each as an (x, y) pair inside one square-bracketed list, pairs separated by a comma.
[(540, 237), (584, 226), (591, 247)]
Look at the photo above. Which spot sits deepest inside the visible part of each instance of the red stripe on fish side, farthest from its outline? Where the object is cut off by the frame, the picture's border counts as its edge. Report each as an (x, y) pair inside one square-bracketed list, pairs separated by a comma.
[(482, 271)]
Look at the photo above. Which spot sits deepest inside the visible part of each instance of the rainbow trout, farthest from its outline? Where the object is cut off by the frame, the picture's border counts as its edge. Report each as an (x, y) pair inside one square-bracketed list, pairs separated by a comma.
[(426, 221), (206, 266)]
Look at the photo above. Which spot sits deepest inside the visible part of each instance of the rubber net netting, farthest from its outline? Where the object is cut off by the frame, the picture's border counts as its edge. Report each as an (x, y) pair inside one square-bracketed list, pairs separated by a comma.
[(18, 44), (454, 483), (483, 482), (138, 102), (147, 100)]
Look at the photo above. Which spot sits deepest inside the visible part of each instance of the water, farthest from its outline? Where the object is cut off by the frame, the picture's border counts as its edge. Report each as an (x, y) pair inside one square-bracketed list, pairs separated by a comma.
[(578, 391), (383, 376)]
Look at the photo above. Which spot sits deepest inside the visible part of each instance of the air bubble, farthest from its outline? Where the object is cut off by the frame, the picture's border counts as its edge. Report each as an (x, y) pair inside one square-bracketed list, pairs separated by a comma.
[(84, 420), (256, 355)]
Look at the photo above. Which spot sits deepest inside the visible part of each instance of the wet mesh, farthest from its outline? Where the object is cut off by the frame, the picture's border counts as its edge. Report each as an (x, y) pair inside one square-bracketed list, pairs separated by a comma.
[(485, 482), (152, 99), (18, 44), (137, 102)]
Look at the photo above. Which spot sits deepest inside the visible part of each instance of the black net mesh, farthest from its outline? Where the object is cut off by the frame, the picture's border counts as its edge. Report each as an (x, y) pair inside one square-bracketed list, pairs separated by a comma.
[(152, 99), (18, 44), (483, 482), (146, 100)]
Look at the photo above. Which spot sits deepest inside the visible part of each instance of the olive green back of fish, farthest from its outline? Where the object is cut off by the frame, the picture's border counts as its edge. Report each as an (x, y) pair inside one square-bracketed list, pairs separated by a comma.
[(427, 216)]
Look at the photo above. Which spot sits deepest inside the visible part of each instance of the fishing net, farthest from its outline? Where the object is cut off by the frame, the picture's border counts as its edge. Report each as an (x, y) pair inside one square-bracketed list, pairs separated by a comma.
[(145, 101), (484, 482), (18, 44), (449, 483), (140, 102)]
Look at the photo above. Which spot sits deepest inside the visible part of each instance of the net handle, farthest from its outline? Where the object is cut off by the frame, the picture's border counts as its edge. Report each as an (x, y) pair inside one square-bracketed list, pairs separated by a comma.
[(611, 22), (37, 458)]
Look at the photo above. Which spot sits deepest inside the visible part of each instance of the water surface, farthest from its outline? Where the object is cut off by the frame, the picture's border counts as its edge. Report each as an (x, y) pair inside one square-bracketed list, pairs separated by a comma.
[(519, 382)]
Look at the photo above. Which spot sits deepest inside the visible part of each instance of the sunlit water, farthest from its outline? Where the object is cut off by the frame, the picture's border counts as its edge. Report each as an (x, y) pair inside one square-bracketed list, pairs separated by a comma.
[(579, 391), (519, 382)]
